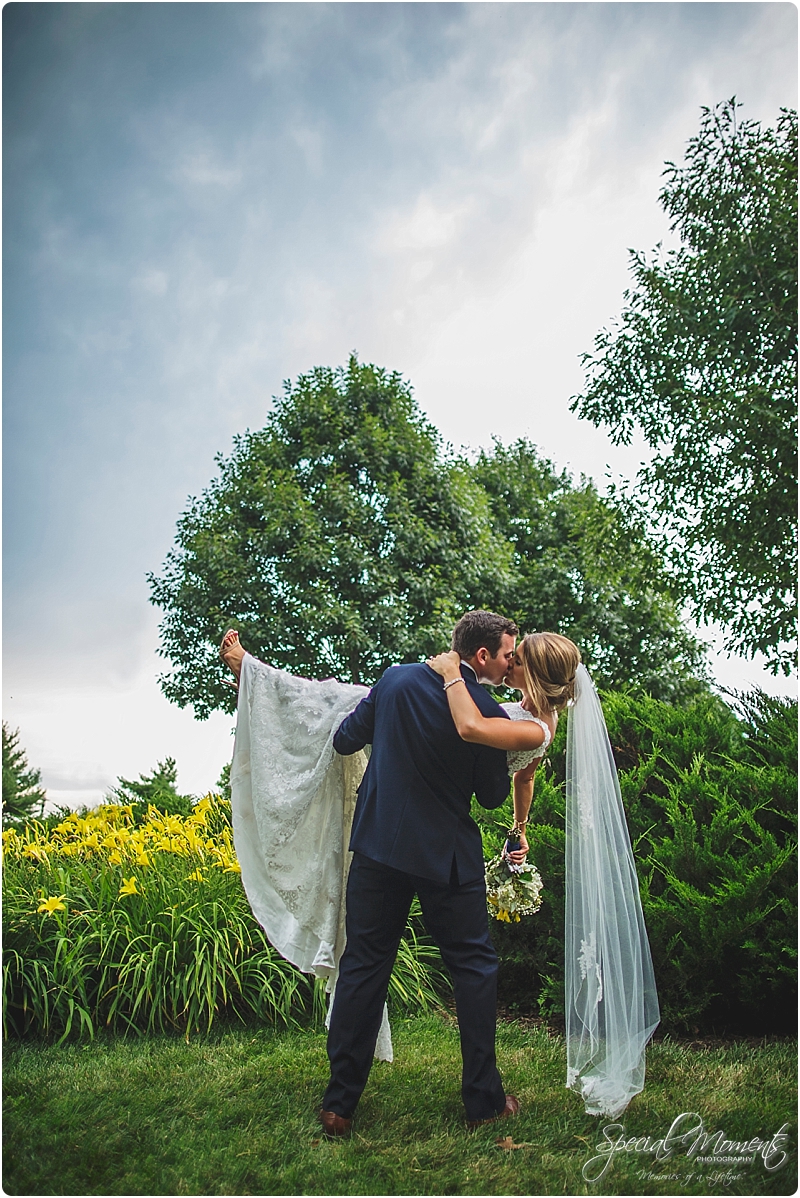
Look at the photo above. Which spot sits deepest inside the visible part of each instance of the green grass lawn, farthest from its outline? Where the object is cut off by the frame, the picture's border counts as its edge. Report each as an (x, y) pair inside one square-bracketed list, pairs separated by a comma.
[(235, 1113)]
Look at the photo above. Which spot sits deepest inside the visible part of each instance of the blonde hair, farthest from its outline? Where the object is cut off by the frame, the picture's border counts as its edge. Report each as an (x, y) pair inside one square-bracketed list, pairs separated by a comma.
[(549, 662)]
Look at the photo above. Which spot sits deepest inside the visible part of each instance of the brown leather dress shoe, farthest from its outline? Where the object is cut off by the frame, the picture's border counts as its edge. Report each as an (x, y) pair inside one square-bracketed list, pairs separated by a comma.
[(511, 1108), (334, 1125)]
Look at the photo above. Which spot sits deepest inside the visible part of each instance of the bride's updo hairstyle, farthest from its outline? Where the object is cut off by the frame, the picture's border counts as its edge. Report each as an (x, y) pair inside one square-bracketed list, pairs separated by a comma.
[(549, 662)]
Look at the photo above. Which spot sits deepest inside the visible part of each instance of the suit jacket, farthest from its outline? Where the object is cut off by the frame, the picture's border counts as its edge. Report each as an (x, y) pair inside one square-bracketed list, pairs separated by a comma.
[(413, 803)]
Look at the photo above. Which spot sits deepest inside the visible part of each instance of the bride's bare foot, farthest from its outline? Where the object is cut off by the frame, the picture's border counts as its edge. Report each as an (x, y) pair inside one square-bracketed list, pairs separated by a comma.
[(232, 652)]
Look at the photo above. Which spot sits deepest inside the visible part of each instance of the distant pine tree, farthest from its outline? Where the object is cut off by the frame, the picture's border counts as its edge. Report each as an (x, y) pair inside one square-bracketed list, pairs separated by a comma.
[(23, 795), (158, 788)]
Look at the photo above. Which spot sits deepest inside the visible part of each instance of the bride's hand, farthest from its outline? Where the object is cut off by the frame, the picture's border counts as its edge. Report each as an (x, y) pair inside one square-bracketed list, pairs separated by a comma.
[(517, 857), (446, 664)]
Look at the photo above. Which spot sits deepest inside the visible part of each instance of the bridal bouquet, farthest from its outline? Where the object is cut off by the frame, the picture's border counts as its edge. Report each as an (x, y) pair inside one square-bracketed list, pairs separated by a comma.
[(512, 890)]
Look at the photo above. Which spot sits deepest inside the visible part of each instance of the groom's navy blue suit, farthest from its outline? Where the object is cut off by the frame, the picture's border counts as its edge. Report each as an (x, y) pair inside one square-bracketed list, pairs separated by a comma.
[(412, 833)]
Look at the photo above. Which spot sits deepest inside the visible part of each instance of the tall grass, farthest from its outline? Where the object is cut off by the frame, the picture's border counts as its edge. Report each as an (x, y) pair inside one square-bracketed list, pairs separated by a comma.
[(145, 927)]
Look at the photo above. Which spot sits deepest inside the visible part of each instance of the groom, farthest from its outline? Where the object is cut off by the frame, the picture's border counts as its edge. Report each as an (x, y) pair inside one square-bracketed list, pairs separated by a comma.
[(412, 833)]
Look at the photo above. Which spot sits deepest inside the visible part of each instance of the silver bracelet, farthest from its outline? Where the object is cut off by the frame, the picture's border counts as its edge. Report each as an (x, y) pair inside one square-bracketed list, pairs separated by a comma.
[(452, 682)]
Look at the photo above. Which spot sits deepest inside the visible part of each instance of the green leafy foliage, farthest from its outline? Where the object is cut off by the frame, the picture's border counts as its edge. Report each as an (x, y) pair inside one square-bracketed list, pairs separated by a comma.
[(337, 539), (710, 801), (341, 539), (582, 568), (703, 362), (23, 795)]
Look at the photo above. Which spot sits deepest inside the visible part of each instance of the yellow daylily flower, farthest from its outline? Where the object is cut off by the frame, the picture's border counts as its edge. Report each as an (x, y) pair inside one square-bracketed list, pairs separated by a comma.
[(128, 886), (114, 858), (173, 824), (12, 842), (49, 905), (200, 810), (35, 852), (197, 875), (142, 858)]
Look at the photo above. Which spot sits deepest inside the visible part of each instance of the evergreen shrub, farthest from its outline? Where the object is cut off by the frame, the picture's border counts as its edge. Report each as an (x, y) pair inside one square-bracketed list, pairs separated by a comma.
[(710, 798)]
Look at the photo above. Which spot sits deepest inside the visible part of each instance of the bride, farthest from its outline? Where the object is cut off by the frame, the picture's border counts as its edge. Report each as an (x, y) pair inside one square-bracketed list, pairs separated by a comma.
[(610, 996), (293, 799)]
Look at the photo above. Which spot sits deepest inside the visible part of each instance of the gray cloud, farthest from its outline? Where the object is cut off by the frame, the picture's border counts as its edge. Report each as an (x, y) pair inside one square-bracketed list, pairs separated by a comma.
[(205, 199)]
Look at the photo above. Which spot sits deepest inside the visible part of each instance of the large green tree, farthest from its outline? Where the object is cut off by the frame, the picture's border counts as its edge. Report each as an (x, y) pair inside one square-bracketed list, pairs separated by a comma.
[(339, 539), (23, 794), (581, 567), (703, 362)]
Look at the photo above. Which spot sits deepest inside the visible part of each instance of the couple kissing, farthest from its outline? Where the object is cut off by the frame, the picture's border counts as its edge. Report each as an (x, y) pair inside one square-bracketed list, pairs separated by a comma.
[(334, 845)]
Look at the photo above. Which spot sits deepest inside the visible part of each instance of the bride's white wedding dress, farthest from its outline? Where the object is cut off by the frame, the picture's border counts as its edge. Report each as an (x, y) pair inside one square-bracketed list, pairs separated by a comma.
[(520, 759), (293, 798)]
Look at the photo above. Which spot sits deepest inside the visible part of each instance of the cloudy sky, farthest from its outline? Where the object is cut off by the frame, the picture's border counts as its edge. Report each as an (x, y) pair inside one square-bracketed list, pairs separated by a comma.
[(202, 200)]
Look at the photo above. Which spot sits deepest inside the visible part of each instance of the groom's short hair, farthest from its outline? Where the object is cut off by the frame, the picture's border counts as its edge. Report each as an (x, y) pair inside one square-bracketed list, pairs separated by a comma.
[(481, 630)]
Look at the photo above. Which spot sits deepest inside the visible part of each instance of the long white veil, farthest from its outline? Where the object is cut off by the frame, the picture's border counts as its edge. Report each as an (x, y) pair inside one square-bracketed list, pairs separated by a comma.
[(611, 1002)]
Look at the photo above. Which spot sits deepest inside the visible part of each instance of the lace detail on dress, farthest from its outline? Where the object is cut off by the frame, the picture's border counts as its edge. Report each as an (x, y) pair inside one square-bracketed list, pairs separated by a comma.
[(519, 759)]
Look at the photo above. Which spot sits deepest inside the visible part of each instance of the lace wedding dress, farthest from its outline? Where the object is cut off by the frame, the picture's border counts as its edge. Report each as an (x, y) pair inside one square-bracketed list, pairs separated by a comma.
[(293, 799), (518, 760)]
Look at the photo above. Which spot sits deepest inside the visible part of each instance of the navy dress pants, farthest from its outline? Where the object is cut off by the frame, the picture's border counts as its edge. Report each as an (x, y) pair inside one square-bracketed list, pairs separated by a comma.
[(378, 902)]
